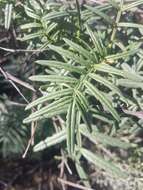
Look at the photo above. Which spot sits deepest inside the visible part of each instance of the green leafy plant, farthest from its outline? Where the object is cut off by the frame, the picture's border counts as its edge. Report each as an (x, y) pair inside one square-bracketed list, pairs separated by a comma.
[(81, 84), (92, 78), (47, 22), (75, 79)]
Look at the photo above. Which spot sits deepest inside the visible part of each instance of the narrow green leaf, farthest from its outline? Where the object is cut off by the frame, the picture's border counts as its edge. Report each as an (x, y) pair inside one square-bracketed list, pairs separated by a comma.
[(31, 13), (129, 6), (83, 176), (130, 25), (111, 70), (78, 14), (103, 7), (59, 110), (8, 15), (53, 78), (78, 134), (51, 141), (95, 40), (78, 48), (105, 82), (114, 4), (103, 67), (55, 112), (71, 126), (108, 84), (54, 15), (90, 50), (50, 96), (97, 137), (84, 114), (60, 65), (31, 36), (68, 54), (35, 4), (51, 27), (100, 13), (82, 100), (102, 163), (122, 55), (103, 100), (30, 25), (129, 83), (101, 116), (51, 107)]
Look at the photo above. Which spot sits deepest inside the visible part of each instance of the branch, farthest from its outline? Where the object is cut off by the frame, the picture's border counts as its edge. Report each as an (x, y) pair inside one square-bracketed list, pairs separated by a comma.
[(73, 184), (6, 76)]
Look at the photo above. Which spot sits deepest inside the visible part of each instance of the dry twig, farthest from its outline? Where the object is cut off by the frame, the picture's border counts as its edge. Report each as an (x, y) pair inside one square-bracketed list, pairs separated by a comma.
[(73, 184)]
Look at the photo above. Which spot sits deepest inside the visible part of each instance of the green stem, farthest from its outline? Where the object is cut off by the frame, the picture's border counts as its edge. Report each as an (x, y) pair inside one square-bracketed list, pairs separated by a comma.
[(79, 15), (119, 14)]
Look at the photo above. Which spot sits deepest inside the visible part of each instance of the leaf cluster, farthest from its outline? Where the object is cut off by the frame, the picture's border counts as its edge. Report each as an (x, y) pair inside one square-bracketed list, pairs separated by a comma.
[(89, 73)]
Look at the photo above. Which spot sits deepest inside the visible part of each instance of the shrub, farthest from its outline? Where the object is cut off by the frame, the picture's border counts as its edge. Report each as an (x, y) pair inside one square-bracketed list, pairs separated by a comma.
[(92, 78)]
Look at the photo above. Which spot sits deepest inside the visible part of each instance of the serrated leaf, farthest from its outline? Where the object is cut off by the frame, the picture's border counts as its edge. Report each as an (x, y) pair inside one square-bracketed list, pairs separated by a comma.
[(103, 100), (102, 163), (51, 141), (53, 78)]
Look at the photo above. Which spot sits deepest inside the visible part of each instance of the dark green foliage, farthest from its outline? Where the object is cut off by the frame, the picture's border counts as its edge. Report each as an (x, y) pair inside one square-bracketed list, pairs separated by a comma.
[(13, 134)]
